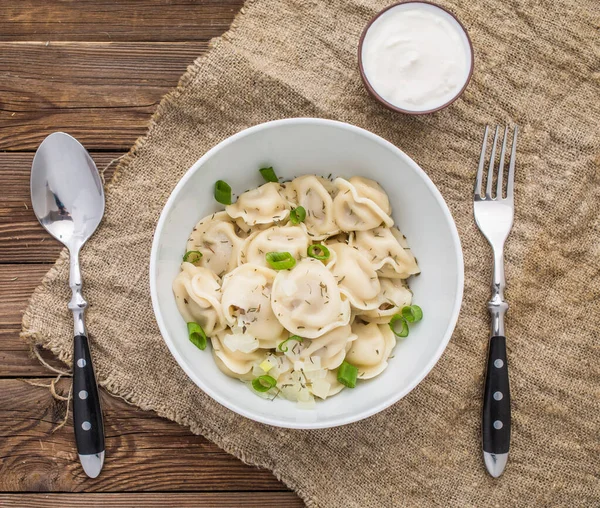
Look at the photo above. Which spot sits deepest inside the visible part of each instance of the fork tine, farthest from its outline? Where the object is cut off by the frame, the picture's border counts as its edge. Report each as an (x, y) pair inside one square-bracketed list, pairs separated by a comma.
[(511, 167), (501, 166), (479, 178), (490, 176)]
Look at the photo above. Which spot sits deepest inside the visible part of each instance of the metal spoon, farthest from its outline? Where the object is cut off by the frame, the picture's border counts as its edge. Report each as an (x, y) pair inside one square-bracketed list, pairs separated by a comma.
[(68, 200)]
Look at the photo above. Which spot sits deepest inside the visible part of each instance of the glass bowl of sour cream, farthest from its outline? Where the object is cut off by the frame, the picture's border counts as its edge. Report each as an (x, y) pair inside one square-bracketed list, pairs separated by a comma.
[(415, 57)]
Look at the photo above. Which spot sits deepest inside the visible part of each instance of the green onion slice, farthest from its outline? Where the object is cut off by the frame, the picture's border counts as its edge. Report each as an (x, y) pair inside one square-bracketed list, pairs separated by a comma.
[(197, 335), (268, 174), (223, 192), (192, 256), (280, 260), (297, 215), (399, 325), (283, 348), (319, 252), (412, 314), (263, 383), (347, 374)]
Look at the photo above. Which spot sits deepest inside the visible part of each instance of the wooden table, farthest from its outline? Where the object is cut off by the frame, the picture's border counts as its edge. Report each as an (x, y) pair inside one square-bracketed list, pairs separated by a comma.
[(97, 70)]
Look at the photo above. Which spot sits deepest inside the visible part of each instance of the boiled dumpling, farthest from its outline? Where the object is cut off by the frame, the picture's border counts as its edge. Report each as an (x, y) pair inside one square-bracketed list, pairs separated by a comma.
[(334, 385), (198, 297), (246, 303), (244, 230), (314, 193), (263, 205), (355, 276), (233, 361), (393, 296), (330, 348), (388, 252), (307, 300), (292, 239), (371, 350), (360, 204), (216, 239)]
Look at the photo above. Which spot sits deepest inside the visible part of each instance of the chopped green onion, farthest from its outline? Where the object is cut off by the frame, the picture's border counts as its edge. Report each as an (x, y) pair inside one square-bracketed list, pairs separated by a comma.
[(347, 374), (412, 314), (192, 256), (263, 383), (283, 348), (223, 192), (280, 260), (319, 252), (197, 335), (399, 321), (297, 215), (268, 174)]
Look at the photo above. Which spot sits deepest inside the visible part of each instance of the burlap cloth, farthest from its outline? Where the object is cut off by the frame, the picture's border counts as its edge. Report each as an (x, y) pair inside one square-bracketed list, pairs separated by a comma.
[(537, 64)]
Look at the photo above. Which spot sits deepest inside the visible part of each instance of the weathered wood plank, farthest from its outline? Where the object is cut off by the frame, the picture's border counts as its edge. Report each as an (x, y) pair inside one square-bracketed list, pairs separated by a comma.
[(101, 93), (17, 282), (159, 500), (109, 20), (16, 359), (22, 239), (143, 452)]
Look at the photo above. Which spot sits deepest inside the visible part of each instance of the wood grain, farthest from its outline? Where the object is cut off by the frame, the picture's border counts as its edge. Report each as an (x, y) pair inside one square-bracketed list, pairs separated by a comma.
[(185, 500), (109, 20), (17, 282), (102, 93), (22, 238), (143, 452), (16, 359)]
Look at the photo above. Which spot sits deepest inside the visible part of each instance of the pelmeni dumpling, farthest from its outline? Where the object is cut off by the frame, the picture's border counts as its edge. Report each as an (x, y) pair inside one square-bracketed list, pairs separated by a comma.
[(314, 193), (307, 300), (393, 296), (263, 205), (388, 252), (292, 239), (355, 276), (245, 230), (360, 204), (216, 238), (330, 348), (246, 303), (198, 297), (233, 361), (371, 350), (334, 385), (339, 238)]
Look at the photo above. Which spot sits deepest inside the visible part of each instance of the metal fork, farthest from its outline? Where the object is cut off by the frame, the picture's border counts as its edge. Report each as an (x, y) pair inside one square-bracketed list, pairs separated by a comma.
[(494, 217)]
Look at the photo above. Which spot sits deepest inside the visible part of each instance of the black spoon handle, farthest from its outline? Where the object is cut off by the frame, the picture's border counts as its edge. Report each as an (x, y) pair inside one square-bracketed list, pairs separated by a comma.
[(496, 401), (87, 414)]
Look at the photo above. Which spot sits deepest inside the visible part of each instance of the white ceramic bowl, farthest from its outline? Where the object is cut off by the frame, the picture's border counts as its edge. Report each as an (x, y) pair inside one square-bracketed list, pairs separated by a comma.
[(313, 146)]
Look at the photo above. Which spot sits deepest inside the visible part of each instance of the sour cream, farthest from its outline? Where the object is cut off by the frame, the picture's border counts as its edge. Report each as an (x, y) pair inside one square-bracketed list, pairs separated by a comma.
[(416, 57)]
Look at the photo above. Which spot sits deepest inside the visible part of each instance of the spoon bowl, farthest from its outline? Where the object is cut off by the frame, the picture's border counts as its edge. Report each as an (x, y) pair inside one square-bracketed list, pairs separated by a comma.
[(68, 202)]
